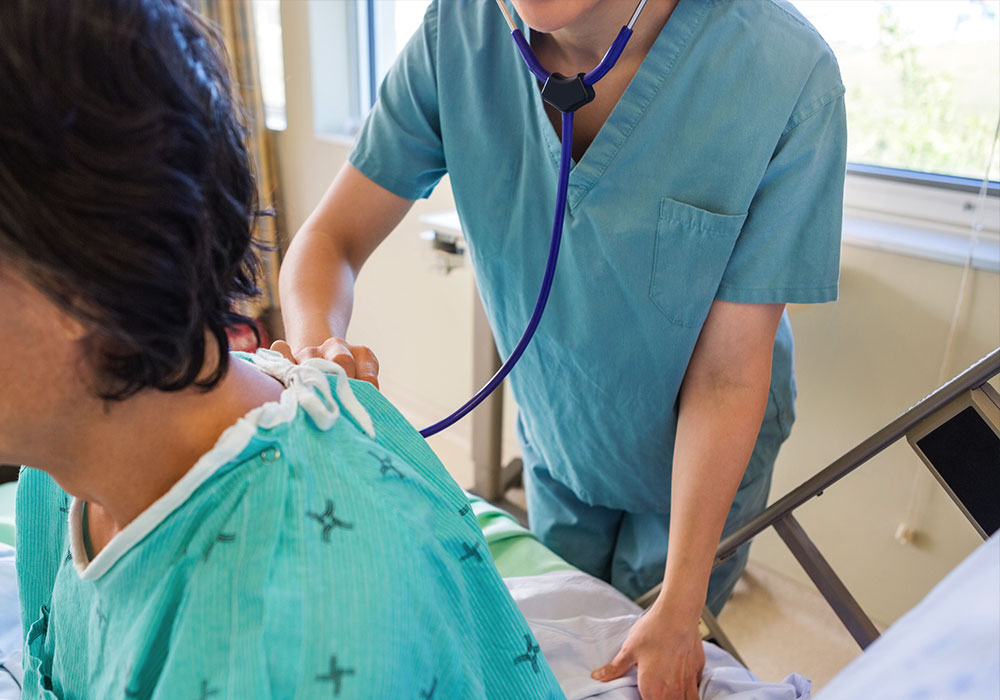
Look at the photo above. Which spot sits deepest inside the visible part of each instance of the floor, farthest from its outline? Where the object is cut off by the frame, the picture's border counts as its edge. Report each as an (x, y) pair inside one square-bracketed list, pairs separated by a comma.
[(780, 626)]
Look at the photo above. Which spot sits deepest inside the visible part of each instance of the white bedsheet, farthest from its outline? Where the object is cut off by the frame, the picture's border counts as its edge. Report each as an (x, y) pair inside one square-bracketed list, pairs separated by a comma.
[(946, 648), (580, 624), (10, 628)]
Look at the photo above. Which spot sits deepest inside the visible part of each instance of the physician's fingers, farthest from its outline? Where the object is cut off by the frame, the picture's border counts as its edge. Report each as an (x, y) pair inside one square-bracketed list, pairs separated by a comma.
[(284, 348), (337, 350), (333, 349), (618, 667), (366, 364)]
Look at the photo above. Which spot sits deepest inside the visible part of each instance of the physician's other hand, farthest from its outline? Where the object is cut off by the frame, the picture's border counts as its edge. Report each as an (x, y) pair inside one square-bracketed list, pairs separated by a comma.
[(357, 360), (670, 659)]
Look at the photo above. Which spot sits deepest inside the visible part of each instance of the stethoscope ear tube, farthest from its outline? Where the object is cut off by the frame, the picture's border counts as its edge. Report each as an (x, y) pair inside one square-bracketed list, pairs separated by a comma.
[(530, 60), (567, 98)]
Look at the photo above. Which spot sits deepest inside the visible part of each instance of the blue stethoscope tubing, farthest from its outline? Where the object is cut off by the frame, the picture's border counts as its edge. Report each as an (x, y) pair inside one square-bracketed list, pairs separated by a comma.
[(565, 161)]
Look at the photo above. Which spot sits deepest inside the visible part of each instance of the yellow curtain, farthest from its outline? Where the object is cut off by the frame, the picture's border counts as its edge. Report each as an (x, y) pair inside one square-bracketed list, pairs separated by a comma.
[(234, 19)]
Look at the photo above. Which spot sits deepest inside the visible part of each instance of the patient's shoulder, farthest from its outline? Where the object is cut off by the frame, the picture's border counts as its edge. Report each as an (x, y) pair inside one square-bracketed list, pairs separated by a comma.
[(316, 580), (332, 559)]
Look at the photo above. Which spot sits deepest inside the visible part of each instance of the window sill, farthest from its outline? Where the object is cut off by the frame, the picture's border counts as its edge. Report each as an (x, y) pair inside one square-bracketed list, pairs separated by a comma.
[(923, 243)]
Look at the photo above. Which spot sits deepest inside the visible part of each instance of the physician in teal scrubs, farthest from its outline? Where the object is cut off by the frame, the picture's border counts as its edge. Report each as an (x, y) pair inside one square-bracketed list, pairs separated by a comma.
[(706, 194)]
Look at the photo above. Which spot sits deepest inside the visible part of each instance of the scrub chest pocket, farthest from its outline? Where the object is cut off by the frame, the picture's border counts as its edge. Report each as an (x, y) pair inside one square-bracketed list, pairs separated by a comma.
[(690, 254)]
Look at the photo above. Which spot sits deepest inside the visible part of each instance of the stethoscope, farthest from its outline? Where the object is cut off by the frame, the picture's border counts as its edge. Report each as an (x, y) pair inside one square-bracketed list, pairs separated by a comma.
[(567, 94)]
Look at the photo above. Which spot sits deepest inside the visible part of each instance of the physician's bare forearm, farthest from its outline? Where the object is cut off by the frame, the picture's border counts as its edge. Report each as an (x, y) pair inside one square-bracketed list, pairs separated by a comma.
[(722, 402), (317, 290), (316, 283)]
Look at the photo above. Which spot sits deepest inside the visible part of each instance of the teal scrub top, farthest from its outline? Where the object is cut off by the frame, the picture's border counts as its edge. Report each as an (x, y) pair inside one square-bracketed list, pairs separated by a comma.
[(320, 550), (718, 175)]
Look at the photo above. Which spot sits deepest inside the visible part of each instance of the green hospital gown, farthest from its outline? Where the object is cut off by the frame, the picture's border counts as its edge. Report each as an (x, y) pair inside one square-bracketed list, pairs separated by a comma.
[(319, 550)]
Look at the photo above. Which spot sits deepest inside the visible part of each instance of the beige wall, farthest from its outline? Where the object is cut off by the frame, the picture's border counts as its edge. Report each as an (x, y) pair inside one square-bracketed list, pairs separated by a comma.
[(861, 361)]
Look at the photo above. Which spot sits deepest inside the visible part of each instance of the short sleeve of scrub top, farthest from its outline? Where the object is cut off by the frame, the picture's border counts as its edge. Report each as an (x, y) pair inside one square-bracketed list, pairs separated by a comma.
[(788, 250)]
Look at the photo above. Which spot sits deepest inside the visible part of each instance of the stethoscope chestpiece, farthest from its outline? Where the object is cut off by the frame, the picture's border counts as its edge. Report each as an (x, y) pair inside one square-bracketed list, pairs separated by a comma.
[(567, 94)]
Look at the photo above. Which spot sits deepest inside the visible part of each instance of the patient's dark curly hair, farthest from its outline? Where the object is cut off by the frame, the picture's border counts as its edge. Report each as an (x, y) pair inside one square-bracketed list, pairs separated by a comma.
[(126, 190)]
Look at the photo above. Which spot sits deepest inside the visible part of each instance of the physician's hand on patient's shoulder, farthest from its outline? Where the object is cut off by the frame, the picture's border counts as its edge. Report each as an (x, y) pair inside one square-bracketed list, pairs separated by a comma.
[(357, 360), (669, 655)]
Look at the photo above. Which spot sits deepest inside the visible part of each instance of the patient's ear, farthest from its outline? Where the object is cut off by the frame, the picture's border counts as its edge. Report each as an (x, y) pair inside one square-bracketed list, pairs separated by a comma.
[(71, 328), (67, 326)]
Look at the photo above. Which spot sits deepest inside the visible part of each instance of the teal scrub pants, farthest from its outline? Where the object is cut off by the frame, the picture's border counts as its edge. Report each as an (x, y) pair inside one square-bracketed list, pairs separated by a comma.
[(629, 550)]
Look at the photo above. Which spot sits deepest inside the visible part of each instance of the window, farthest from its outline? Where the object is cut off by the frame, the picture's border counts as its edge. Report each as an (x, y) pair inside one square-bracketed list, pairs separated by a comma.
[(353, 45), (923, 112), (922, 81), (394, 23)]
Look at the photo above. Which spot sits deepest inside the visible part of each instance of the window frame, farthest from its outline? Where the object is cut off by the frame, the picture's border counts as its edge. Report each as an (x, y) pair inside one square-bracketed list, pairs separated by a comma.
[(925, 200), (924, 179), (355, 24)]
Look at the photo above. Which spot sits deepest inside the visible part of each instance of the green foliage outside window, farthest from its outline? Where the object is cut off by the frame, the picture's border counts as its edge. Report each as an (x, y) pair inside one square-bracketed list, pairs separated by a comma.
[(922, 105)]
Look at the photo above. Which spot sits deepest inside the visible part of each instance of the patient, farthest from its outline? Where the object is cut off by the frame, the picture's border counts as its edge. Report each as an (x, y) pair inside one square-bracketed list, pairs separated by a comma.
[(238, 526)]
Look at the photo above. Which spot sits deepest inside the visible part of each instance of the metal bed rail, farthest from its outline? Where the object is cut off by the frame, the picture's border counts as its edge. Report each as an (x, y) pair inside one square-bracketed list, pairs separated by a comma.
[(780, 514)]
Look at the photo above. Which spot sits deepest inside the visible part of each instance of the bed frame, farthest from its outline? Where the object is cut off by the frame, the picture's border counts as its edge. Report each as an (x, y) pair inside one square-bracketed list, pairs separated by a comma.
[(780, 515)]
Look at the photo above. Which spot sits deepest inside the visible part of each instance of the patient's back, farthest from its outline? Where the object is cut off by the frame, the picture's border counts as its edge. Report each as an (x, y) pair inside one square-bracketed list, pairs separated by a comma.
[(319, 550)]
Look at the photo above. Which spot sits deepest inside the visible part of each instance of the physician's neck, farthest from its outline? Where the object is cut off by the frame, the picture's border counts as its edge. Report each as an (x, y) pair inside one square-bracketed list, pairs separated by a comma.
[(583, 43)]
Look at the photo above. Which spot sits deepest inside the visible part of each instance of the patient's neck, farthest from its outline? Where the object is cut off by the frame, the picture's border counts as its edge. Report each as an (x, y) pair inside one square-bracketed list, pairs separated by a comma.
[(129, 455)]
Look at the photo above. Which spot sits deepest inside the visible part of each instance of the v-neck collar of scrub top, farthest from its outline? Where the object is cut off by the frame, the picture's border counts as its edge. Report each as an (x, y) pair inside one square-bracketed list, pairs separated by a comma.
[(645, 84)]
